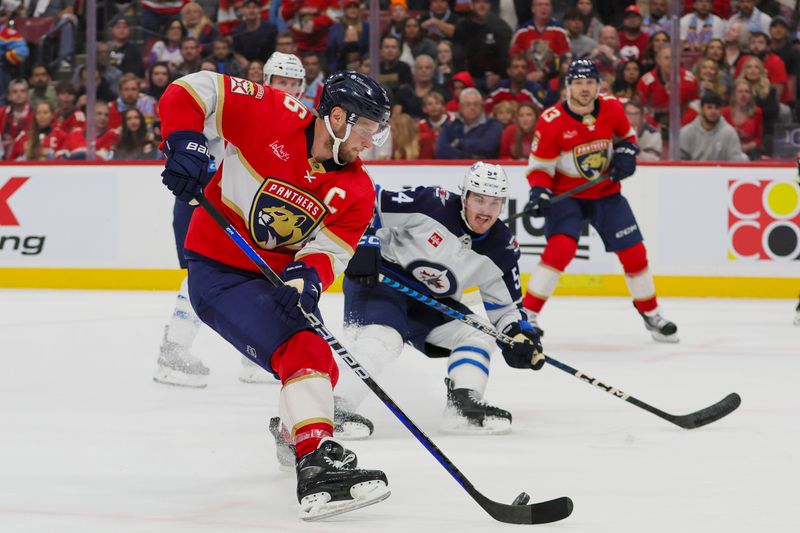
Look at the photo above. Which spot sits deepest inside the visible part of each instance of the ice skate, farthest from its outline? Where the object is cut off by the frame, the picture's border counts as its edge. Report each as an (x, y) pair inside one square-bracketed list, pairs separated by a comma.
[(328, 483), (252, 373), (284, 449), (468, 414), (349, 425), (660, 328), (177, 366)]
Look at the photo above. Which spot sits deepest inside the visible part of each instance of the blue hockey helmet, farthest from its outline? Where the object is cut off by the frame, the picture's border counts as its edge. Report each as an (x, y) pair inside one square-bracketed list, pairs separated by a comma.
[(582, 68), (360, 96)]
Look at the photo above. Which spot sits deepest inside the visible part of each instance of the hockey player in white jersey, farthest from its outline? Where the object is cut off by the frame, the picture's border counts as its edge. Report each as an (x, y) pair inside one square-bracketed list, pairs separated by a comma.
[(439, 243), (176, 364)]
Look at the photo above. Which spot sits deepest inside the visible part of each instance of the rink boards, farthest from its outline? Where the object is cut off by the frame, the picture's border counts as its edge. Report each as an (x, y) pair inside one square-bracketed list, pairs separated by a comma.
[(711, 230)]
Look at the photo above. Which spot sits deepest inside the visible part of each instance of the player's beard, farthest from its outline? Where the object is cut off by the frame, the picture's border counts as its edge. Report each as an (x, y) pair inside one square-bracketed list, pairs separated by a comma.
[(582, 101)]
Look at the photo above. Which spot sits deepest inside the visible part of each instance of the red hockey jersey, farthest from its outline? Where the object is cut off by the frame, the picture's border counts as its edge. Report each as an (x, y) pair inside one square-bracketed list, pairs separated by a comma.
[(543, 49), (567, 149), (287, 205)]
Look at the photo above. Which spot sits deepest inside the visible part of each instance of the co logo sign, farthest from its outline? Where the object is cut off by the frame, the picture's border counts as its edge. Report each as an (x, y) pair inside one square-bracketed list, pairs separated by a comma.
[(763, 220)]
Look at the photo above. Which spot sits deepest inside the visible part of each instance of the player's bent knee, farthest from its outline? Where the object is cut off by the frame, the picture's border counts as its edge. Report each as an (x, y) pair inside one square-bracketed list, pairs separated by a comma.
[(633, 258), (304, 350), (379, 340), (559, 251)]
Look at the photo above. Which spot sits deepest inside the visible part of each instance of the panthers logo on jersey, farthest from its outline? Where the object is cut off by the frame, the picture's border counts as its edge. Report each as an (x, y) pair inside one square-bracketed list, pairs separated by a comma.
[(591, 159), (283, 215)]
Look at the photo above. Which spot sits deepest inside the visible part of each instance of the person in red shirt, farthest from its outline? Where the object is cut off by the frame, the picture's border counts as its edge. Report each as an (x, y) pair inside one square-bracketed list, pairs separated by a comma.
[(310, 21), (106, 138), (42, 141), (746, 118), (515, 143), (653, 88), (544, 44), (458, 82), (435, 117), (68, 117), (517, 88), (632, 40), (774, 65), (15, 117)]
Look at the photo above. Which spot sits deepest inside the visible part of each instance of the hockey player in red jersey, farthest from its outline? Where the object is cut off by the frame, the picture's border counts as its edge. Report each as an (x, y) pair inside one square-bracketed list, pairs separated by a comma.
[(292, 183), (580, 139)]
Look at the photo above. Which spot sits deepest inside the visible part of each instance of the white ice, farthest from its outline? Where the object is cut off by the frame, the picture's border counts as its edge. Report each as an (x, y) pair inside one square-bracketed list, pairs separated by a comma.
[(89, 443)]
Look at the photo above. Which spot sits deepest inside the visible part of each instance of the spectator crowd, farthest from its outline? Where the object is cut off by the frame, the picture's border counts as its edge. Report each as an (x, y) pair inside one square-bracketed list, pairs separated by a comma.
[(468, 78)]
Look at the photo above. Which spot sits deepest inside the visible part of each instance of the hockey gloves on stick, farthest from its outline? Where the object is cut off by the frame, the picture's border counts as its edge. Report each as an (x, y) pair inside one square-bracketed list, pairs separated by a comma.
[(364, 266), (539, 203), (623, 164), (186, 170), (527, 349), (303, 286)]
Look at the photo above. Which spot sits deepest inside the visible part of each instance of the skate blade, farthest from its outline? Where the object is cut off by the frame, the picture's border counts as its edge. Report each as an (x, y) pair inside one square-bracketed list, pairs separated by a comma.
[(259, 378), (318, 506), (456, 425), (660, 337), (167, 376), (351, 431)]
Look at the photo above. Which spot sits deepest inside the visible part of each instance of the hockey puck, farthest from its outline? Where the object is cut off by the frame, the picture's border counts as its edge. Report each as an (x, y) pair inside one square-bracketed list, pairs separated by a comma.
[(522, 499)]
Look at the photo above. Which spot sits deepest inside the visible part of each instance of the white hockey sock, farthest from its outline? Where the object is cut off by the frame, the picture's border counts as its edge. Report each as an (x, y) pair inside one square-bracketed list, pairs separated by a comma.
[(374, 347), (468, 367), (306, 398), (641, 285), (184, 324), (543, 281)]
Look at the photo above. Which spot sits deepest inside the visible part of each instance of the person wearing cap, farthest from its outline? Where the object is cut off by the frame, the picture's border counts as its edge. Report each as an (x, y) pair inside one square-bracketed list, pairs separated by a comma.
[(700, 26), (753, 18), (398, 13), (632, 40), (709, 137), (125, 55), (782, 46)]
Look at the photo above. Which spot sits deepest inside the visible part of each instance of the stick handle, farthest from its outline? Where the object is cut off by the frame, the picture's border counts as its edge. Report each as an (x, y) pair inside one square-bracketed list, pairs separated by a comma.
[(564, 195)]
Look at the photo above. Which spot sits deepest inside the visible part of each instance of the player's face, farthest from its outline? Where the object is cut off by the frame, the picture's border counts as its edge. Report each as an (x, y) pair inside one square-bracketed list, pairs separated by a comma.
[(583, 91), (481, 211), (361, 138), (287, 85)]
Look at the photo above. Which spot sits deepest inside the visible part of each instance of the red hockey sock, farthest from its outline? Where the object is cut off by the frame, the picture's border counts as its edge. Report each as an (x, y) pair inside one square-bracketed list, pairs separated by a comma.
[(638, 278)]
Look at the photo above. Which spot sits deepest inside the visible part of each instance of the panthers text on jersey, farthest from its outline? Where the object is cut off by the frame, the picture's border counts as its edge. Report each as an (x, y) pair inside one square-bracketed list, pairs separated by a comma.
[(286, 204), (568, 149)]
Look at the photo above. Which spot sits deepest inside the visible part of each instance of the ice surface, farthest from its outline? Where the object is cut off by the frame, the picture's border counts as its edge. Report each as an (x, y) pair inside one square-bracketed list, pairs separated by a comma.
[(89, 443)]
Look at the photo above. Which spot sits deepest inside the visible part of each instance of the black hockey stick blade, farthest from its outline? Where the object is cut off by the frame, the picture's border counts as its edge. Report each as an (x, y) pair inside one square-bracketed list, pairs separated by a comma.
[(710, 414), (536, 513)]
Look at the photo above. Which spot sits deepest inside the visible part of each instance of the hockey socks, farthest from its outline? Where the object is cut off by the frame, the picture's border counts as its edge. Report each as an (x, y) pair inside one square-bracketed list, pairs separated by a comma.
[(638, 277), (556, 257), (184, 323)]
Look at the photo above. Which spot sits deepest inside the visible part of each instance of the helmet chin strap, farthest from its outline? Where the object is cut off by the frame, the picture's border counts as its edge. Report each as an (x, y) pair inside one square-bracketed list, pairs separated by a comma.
[(336, 140)]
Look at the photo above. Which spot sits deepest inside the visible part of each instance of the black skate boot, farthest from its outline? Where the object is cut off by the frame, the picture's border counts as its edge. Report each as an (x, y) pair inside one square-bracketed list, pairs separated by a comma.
[(284, 449), (347, 424), (660, 328), (328, 484), (467, 414)]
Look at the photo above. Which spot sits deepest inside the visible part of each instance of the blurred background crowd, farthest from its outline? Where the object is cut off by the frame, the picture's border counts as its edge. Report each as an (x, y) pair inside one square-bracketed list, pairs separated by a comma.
[(468, 78)]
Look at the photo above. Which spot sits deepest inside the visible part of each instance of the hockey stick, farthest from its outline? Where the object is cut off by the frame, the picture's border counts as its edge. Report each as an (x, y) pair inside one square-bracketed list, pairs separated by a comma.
[(693, 420), (564, 195), (517, 513)]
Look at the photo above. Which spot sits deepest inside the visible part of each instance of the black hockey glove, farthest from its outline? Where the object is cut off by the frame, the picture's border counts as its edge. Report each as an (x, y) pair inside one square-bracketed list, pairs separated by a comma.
[(527, 349), (623, 164), (186, 169), (364, 267), (539, 203), (303, 286)]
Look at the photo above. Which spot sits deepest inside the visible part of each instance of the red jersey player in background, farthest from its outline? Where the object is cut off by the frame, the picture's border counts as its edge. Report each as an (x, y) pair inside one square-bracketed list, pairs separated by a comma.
[(292, 184), (581, 139)]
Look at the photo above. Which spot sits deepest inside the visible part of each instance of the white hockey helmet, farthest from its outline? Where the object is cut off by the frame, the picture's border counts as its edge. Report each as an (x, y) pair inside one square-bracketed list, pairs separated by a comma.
[(485, 178), (286, 65)]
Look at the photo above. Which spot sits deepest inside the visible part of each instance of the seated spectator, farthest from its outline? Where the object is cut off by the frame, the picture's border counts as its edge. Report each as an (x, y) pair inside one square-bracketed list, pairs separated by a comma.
[(223, 58), (41, 86), (484, 38), (398, 13), (109, 73), (445, 63), (648, 137), (405, 137), (199, 26), (459, 82), (130, 96), (749, 16), (699, 27), (657, 41), (255, 72), (41, 141), (515, 143), (518, 88), (746, 118), (156, 14), (408, 98), (124, 55), (16, 116), (606, 56), (439, 22), (314, 79), (632, 40), (653, 88), (709, 137), (134, 142), (624, 84), (190, 51), (776, 70), (168, 49), (66, 26), (709, 78), (591, 20), (433, 107), (542, 41), (657, 19), (415, 43), (102, 88), (310, 22), (781, 44), (349, 35), (766, 97), (393, 72), (253, 39), (106, 138), (471, 134), (737, 39), (286, 43), (715, 49), (157, 80), (67, 115), (581, 45), (504, 112), (13, 51)]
